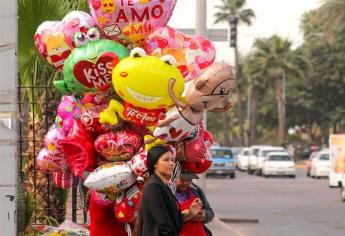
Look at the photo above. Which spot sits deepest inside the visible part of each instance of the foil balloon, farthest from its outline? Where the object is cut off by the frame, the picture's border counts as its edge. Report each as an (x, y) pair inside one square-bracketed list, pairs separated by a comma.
[(78, 149), (198, 146), (118, 146), (48, 162), (129, 21), (136, 79), (139, 163), (88, 68), (197, 167), (64, 179), (111, 178), (90, 119), (126, 204), (68, 110), (51, 140), (53, 39), (193, 53), (207, 92), (100, 198)]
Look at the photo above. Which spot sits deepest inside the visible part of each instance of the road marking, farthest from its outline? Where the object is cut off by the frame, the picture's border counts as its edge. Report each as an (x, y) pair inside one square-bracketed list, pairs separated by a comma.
[(229, 227)]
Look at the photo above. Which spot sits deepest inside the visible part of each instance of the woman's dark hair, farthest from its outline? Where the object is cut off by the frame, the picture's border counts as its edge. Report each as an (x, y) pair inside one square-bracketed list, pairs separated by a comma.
[(153, 156)]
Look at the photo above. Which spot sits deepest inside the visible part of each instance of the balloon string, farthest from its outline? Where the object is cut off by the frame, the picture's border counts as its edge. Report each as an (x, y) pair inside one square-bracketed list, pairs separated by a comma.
[(128, 229)]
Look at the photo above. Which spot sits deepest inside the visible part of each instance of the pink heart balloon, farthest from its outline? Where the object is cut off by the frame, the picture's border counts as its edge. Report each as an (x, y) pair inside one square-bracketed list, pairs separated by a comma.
[(54, 39), (192, 53), (128, 21), (50, 162)]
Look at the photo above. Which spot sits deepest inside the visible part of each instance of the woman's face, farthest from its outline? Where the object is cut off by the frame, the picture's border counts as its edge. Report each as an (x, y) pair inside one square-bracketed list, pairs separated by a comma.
[(165, 164)]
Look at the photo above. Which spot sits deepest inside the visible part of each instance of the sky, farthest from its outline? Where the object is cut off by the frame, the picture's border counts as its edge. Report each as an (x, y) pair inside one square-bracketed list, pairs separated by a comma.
[(281, 17)]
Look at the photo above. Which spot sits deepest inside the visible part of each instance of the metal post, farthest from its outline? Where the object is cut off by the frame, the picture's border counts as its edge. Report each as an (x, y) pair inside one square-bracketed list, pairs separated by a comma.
[(201, 29)]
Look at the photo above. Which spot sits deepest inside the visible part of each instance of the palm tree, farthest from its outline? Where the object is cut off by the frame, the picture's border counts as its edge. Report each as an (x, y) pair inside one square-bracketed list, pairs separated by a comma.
[(252, 71), (332, 13), (34, 71), (277, 60), (227, 10)]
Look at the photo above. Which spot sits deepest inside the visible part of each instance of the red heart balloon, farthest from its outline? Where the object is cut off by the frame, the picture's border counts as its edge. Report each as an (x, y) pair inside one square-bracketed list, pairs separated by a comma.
[(78, 149), (119, 146), (83, 69)]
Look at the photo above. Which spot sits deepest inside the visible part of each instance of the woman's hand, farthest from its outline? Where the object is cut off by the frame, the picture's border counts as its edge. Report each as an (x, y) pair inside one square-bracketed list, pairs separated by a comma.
[(200, 217), (195, 207)]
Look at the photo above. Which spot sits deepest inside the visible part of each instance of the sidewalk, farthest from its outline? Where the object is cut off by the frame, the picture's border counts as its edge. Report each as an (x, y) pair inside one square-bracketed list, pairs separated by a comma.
[(219, 228)]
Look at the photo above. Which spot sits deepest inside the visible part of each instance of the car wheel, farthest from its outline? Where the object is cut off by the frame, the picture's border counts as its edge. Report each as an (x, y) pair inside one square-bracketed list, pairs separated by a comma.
[(342, 194), (232, 176), (308, 174), (292, 176)]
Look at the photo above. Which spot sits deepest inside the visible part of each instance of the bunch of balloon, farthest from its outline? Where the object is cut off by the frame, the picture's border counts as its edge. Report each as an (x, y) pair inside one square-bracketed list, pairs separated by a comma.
[(129, 82)]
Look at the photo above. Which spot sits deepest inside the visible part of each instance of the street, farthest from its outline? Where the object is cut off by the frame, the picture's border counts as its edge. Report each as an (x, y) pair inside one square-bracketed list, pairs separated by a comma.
[(282, 206)]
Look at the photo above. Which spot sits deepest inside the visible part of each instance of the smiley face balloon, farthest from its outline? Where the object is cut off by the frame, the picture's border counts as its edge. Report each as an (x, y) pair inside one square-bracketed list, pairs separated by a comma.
[(142, 82)]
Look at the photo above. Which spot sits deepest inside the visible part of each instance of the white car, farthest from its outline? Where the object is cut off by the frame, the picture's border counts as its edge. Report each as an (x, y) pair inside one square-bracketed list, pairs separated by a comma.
[(242, 159), (263, 152), (320, 165), (279, 163), (253, 157)]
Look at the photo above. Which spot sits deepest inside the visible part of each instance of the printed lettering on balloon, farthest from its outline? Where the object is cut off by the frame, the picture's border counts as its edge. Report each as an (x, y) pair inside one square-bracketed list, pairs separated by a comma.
[(96, 75)]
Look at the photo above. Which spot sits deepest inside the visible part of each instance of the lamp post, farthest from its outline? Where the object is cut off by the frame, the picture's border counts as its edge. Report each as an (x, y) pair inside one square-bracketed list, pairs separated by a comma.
[(201, 29)]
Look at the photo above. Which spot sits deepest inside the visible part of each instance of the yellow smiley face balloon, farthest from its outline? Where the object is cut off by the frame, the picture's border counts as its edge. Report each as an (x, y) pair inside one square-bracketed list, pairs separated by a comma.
[(143, 80)]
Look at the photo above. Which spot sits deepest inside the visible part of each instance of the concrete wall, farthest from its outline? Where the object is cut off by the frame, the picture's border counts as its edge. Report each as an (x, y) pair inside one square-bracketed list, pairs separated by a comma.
[(8, 108)]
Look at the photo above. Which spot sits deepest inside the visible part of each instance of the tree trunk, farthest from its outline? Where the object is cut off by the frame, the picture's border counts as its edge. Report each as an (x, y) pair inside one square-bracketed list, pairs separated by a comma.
[(239, 99), (281, 109), (226, 129), (253, 114)]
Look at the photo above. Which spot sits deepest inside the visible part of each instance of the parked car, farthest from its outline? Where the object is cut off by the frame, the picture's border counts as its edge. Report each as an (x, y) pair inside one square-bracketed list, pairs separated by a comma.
[(279, 163), (242, 159), (223, 162), (263, 152), (320, 164), (309, 161), (253, 157), (235, 152)]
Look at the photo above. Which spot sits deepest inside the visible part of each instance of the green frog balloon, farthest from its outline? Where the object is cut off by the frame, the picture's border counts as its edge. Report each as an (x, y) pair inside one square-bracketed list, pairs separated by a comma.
[(88, 68)]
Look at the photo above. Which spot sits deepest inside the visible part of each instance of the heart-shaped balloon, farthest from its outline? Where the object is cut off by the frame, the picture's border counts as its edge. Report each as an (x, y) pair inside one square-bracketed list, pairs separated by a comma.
[(126, 204), (129, 21), (50, 162), (68, 110), (139, 163), (193, 53), (119, 146), (64, 179), (198, 147), (78, 149), (111, 178), (54, 39), (88, 69)]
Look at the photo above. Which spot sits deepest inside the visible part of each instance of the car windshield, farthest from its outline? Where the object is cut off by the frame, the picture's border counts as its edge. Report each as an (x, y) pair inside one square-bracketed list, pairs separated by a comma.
[(265, 152), (236, 151), (222, 153), (324, 157), (256, 151), (246, 153), (279, 158)]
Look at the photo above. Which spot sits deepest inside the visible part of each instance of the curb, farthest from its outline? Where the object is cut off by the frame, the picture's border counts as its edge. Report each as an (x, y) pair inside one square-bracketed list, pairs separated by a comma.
[(217, 223)]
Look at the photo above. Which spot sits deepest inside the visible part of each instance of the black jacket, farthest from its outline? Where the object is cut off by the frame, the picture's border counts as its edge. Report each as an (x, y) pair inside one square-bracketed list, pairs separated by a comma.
[(159, 210)]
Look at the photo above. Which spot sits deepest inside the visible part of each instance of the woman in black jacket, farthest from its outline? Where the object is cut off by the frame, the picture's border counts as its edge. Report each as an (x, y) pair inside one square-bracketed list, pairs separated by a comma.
[(160, 213)]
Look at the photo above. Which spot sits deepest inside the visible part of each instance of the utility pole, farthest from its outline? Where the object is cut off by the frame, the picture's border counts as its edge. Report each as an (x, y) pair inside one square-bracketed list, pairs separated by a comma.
[(8, 117), (201, 29)]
